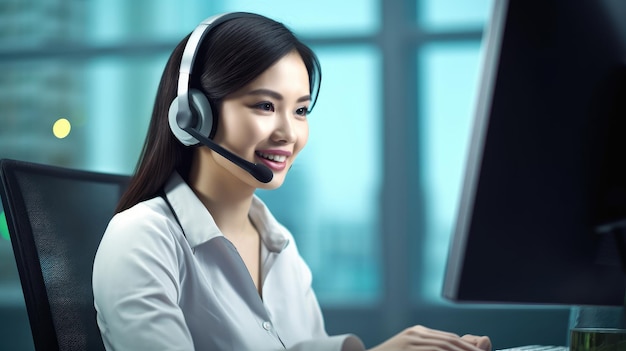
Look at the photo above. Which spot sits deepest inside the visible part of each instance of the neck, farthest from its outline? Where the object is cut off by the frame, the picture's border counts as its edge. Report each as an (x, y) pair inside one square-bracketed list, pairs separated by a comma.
[(225, 197)]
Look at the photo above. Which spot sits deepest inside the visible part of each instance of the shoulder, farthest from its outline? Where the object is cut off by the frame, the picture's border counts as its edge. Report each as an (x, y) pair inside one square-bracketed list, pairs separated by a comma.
[(147, 228), (143, 218)]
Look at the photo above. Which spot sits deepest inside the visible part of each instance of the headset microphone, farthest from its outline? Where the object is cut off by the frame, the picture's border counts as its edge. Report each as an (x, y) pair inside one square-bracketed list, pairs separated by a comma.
[(191, 115), (258, 171)]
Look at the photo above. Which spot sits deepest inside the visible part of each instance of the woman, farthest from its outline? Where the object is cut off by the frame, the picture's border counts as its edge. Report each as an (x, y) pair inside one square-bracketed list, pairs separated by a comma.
[(193, 259)]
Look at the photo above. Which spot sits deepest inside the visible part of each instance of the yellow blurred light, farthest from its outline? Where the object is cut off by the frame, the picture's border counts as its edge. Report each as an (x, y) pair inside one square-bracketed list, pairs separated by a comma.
[(61, 128)]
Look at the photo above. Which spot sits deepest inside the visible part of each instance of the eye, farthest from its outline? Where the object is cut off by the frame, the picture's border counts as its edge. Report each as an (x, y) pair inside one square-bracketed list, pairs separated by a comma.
[(265, 106), (302, 111)]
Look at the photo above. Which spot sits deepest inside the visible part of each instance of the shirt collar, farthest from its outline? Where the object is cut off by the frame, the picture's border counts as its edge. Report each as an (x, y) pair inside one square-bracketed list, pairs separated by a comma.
[(199, 226)]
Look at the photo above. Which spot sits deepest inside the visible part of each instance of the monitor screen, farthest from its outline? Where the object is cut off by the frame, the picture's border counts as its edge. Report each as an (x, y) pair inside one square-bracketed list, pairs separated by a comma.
[(543, 201)]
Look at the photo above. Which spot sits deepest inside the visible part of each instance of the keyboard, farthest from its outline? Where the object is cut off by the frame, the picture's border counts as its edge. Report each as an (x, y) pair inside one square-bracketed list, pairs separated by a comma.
[(536, 348)]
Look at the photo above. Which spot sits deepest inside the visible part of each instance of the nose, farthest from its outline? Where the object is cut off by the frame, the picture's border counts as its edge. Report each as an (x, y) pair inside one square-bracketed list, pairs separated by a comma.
[(284, 132)]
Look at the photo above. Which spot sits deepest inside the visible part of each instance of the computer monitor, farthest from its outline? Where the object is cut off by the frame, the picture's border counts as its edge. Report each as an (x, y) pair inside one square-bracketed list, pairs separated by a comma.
[(543, 204)]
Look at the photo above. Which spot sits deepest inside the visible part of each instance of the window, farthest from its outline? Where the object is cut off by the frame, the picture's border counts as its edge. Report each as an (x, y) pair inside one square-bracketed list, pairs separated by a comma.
[(446, 111)]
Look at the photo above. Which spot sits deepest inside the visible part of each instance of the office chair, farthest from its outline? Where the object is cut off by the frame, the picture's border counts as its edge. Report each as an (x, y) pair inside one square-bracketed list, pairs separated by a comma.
[(56, 217)]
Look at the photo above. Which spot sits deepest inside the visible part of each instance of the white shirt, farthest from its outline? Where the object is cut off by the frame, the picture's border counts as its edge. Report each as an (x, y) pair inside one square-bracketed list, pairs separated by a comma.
[(158, 286)]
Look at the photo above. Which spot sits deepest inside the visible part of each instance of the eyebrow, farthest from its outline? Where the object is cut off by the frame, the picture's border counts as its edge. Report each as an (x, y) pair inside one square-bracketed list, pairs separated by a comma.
[(276, 95)]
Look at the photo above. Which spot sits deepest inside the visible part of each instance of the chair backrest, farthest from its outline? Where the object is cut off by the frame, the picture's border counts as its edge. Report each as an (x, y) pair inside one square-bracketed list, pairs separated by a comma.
[(56, 217)]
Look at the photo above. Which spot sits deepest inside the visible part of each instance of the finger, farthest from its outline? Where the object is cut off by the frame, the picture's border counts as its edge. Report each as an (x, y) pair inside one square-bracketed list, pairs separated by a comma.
[(423, 329), (419, 343), (482, 342)]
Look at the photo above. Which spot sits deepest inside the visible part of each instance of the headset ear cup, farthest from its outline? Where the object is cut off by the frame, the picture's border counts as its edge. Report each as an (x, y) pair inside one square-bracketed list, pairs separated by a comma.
[(201, 107)]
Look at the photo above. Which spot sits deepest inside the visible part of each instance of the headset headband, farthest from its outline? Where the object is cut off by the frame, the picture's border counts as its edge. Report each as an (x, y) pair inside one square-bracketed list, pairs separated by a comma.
[(189, 55)]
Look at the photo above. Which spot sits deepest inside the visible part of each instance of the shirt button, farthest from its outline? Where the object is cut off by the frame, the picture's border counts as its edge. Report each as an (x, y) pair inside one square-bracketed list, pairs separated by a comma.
[(267, 325)]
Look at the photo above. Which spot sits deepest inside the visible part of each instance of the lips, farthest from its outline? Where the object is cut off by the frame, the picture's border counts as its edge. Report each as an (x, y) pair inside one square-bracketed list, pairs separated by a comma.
[(274, 159)]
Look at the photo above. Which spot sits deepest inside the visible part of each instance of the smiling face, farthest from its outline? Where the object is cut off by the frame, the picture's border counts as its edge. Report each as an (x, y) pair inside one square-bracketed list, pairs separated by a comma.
[(266, 121)]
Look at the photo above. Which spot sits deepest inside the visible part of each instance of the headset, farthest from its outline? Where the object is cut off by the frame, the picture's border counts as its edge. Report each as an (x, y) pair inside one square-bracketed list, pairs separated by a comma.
[(190, 114)]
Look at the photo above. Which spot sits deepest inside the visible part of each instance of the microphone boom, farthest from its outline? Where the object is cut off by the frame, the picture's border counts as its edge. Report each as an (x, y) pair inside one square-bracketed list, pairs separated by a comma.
[(258, 171)]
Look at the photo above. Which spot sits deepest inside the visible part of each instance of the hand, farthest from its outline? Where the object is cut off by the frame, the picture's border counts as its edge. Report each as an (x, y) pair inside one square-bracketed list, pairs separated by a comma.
[(420, 338)]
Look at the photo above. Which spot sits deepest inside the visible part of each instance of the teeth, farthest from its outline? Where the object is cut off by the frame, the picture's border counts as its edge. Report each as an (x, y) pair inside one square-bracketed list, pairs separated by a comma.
[(275, 158)]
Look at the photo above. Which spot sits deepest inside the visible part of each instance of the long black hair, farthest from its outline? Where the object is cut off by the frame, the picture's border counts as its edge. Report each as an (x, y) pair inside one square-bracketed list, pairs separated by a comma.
[(230, 56)]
